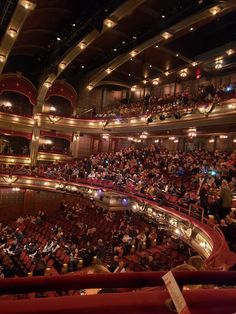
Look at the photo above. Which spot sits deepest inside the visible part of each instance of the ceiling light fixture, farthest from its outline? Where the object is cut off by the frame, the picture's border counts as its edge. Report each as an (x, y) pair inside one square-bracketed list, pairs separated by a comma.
[(229, 52), (82, 45), (155, 82), (90, 87), (133, 88), (194, 63), (109, 23), (58, 38), (28, 5), (192, 29), (12, 32), (134, 53), (166, 35), (47, 84), (215, 10), (2, 58), (109, 70), (62, 65), (218, 63), (145, 81), (167, 73)]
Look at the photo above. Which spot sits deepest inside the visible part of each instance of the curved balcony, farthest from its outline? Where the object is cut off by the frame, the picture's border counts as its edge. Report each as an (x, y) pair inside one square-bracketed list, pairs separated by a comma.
[(150, 300), (203, 236), (224, 113)]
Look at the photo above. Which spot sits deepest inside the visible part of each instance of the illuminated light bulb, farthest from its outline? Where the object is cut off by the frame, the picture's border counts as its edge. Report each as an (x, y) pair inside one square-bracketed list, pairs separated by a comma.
[(218, 63), (230, 52), (62, 65), (134, 53), (194, 64), (109, 70), (2, 58), (183, 72), (133, 88), (155, 82), (90, 87), (215, 10), (109, 23), (167, 73), (47, 84), (12, 32), (82, 45), (166, 35), (157, 141)]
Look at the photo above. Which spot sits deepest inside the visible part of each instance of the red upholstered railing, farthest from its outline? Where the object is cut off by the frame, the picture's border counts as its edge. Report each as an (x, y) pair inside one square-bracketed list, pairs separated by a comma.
[(119, 280), (204, 301)]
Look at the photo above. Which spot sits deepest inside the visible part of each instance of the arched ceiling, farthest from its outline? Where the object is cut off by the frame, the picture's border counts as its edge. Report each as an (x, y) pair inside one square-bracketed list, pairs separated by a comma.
[(47, 42)]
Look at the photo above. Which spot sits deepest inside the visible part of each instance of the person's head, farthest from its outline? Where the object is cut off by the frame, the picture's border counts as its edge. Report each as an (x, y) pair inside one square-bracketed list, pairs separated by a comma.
[(197, 262), (224, 183)]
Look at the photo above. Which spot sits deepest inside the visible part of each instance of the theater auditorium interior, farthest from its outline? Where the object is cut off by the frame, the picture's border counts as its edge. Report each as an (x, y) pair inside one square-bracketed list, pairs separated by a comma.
[(117, 156)]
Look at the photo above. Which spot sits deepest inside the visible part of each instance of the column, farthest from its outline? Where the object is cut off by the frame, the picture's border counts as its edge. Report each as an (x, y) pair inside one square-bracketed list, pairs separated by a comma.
[(103, 98), (74, 146), (34, 145)]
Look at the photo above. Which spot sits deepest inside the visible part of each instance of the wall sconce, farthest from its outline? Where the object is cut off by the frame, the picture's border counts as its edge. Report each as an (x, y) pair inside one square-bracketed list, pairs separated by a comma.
[(9, 179), (183, 72), (54, 119)]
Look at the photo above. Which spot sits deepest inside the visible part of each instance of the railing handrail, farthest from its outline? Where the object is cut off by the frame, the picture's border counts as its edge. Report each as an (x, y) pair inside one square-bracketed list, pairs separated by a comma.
[(113, 280)]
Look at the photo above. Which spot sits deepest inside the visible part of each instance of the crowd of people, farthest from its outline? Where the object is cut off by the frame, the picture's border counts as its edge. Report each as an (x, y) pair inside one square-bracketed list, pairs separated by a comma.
[(198, 177), (77, 233), (176, 105)]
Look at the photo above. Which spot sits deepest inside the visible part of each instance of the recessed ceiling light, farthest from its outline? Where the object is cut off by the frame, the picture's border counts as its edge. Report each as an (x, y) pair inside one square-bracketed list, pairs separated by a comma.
[(82, 66), (134, 37), (229, 52), (192, 29), (90, 87), (108, 70), (163, 16), (73, 24), (167, 73), (194, 63), (215, 10), (157, 46), (177, 55), (166, 35), (134, 53), (12, 32), (129, 74), (150, 66), (62, 65), (58, 38), (82, 45), (114, 49), (123, 42), (109, 23), (2, 58)]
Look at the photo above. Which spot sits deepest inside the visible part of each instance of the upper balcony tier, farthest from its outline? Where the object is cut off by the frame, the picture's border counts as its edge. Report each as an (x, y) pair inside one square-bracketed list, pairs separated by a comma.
[(206, 114)]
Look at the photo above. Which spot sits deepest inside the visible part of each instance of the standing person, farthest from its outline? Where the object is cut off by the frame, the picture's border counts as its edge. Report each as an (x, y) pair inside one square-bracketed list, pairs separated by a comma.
[(226, 199)]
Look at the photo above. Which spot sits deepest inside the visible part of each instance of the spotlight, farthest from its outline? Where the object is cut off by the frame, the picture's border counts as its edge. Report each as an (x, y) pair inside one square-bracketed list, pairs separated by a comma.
[(162, 117), (177, 115), (149, 120)]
